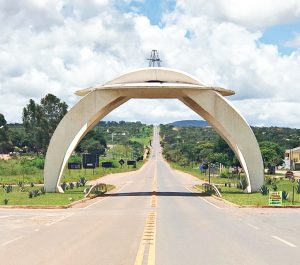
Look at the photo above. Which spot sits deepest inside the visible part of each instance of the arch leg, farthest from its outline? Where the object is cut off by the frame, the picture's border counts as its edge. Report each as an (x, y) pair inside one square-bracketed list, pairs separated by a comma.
[(72, 128), (233, 128)]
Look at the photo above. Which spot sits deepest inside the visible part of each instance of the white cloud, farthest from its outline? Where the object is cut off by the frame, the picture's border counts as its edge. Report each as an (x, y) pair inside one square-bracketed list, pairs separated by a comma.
[(61, 46), (294, 42), (252, 14)]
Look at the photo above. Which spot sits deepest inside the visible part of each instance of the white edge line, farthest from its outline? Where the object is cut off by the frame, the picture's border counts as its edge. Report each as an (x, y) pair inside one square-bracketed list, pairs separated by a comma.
[(253, 226), (11, 241), (204, 199), (5, 216), (59, 220), (90, 205), (284, 241)]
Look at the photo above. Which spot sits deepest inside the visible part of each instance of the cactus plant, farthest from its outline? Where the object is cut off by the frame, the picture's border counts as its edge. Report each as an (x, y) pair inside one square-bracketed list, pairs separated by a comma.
[(285, 195), (264, 190)]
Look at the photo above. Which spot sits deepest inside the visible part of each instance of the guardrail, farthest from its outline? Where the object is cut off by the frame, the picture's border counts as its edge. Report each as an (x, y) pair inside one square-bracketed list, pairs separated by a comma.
[(98, 188), (213, 187)]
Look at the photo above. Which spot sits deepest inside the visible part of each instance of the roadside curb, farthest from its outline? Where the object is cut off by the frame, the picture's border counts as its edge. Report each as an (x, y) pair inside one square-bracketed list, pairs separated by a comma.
[(70, 205)]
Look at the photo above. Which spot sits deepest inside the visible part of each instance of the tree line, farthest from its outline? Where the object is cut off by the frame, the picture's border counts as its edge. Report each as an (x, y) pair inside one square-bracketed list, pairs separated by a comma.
[(190, 145), (40, 120)]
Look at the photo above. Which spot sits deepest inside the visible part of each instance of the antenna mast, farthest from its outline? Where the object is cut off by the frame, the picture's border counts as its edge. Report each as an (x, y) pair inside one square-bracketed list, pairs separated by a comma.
[(154, 59)]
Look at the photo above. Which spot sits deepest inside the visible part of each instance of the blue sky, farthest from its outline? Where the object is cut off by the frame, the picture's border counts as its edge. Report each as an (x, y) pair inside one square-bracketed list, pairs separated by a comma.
[(280, 34), (153, 9)]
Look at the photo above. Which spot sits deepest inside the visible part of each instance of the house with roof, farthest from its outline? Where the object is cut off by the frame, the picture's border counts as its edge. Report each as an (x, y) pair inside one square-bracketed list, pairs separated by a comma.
[(292, 158)]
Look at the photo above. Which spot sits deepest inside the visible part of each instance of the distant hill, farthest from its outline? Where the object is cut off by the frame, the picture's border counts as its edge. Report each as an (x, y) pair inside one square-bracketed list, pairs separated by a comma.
[(190, 123)]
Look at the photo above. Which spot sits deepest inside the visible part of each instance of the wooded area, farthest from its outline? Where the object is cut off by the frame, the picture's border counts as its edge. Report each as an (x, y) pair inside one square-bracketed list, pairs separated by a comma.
[(189, 145)]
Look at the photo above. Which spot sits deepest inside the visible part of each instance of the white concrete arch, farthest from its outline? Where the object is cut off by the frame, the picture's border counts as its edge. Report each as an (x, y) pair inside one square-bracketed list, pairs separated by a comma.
[(207, 101)]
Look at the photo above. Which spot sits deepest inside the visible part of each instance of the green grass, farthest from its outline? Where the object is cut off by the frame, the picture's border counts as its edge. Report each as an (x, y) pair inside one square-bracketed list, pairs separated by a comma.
[(239, 197), (16, 197), (21, 198), (144, 140), (69, 175), (196, 172)]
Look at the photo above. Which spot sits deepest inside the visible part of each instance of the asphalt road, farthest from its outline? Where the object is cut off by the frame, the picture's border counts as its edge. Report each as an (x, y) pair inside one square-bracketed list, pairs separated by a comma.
[(153, 217)]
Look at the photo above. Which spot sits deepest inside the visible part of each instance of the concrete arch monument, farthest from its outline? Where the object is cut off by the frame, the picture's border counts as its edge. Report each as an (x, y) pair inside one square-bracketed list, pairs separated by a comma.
[(153, 82)]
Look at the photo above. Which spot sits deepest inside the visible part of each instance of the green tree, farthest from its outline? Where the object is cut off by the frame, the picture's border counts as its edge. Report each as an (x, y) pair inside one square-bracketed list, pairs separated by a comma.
[(4, 139), (40, 120), (93, 141), (271, 152)]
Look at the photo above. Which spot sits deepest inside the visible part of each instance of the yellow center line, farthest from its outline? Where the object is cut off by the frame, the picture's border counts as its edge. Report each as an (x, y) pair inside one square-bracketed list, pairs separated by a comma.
[(148, 241)]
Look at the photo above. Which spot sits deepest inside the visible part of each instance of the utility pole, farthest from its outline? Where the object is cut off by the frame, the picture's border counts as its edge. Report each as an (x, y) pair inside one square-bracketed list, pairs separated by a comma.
[(154, 59)]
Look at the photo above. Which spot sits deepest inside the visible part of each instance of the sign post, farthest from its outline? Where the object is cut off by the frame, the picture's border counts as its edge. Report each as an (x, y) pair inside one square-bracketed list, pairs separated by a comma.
[(275, 198)]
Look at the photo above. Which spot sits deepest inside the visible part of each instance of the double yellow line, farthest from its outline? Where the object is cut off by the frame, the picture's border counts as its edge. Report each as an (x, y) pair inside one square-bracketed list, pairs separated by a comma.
[(149, 235)]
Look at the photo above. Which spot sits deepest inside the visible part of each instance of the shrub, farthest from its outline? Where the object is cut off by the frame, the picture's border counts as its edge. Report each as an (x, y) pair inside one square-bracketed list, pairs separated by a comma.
[(242, 184), (224, 174), (285, 195), (36, 193), (82, 181), (21, 184), (274, 186), (64, 186), (8, 188), (268, 181), (264, 190), (38, 162), (31, 184), (298, 188), (30, 194), (72, 185), (43, 191), (5, 201)]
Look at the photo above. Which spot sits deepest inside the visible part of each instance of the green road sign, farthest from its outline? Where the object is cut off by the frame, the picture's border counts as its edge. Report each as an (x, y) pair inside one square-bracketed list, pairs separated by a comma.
[(275, 198)]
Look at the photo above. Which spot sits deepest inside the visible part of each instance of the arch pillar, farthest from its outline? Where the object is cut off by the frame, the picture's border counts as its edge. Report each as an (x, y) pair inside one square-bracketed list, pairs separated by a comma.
[(233, 128), (73, 127)]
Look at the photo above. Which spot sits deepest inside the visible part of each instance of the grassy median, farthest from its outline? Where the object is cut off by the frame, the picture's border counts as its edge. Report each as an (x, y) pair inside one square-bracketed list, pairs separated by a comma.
[(20, 196)]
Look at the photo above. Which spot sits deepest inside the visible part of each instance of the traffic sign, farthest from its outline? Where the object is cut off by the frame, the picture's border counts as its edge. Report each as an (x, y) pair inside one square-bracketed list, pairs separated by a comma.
[(289, 174), (74, 165), (275, 198)]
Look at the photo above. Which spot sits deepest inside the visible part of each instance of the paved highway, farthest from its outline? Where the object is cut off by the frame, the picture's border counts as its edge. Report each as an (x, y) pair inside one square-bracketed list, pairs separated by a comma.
[(153, 217)]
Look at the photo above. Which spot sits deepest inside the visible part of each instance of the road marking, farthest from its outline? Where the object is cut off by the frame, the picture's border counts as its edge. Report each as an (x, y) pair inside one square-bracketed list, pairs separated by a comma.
[(11, 241), (148, 241), (284, 241), (253, 226), (210, 203), (59, 220), (5, 216), (154, 183), (153, 202), (105, 198)]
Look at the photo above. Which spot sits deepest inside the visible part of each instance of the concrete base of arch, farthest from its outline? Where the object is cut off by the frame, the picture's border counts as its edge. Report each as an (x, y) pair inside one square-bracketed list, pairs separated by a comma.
[(208, 102)]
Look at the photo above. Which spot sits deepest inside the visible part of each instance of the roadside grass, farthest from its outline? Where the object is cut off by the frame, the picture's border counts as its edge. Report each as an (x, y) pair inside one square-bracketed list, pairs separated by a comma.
[(238, 196), (144, 140), (69, 175), (214, 178), (17, 197), (90, 174)]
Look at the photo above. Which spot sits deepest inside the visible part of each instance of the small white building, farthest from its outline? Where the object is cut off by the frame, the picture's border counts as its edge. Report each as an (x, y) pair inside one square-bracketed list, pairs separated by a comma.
[(292, 159)]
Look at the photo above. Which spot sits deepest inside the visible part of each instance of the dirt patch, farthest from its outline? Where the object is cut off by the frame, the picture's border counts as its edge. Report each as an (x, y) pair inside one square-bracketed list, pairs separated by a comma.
[(5, 157)]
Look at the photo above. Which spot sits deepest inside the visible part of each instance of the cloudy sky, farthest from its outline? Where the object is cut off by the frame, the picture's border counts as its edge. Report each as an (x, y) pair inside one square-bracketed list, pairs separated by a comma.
[(59, 46)]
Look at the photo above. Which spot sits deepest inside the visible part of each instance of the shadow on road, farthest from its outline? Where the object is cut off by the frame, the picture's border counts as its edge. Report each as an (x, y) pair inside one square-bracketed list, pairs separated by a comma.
[(178, 194)]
